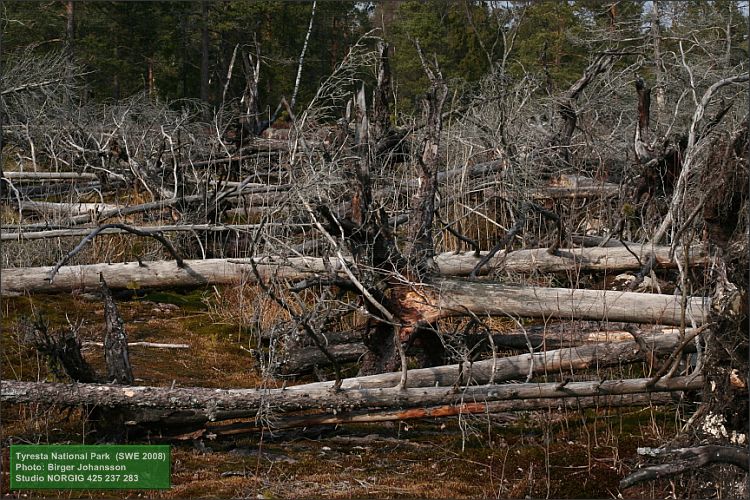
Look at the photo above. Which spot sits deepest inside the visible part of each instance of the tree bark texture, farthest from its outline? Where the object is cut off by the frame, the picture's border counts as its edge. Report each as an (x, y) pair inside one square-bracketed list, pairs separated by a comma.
[(449, 298), (116, 354)]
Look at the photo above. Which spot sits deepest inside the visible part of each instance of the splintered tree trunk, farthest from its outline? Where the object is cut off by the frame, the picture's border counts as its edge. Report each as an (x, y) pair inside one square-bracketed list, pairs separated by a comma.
[(115, 341), (62, 349), (250, 121), (419, 251), (420, 248), (110, 422)]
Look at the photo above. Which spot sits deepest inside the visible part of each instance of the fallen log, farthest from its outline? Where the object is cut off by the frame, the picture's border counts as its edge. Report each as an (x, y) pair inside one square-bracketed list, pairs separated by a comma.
[(21, 235), (64, 209), (553, 362), (298, 357), (155, 274), (156, 345), (222, 271), (122, 211), (374, 416), (213, 401), (145, 207), (58, 176), (48, 176), (566, 259), (450, 298)]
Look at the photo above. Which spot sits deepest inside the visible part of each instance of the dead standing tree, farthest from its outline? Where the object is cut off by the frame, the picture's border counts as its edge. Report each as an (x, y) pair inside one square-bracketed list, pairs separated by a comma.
[(393, 285)]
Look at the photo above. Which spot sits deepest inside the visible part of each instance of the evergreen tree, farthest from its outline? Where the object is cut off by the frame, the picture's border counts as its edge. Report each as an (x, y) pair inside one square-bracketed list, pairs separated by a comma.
[(454, 32)]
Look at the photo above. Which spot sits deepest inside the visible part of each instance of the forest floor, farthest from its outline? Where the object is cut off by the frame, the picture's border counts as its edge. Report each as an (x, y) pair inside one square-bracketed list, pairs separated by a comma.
[(544, 454)]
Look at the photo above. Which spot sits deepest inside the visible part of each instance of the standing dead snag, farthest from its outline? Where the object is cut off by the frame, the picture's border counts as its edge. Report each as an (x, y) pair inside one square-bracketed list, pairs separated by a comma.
[(420, 247), (416, 262), (115, 341)]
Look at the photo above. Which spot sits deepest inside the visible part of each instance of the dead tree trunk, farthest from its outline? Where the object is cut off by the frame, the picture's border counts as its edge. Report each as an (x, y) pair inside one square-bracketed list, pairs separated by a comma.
[(374, 416), (420, 247), (62, 349), (449, 298), (165, 274), (419, 251), (115, 341), (250, 122), (212, 401), (513, 367), (508, 368)]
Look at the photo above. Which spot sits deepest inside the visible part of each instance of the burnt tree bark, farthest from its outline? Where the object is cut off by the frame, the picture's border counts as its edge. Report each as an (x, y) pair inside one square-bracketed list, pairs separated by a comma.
[(116, 355), (62, 349)]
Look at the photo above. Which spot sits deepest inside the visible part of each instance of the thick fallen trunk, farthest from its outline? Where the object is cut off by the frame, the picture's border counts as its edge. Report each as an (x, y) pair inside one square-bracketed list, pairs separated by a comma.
[(373, 416), (421, 306), (156, 274), (565, 259), (448, 298), (221, 271), (49, 176), (122, 211), (58, 176), (305, 397)]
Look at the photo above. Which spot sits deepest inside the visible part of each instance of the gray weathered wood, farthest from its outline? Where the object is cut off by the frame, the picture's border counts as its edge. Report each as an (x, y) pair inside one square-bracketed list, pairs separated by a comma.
[(455, 298), (557, 361), (304, 398), (221, 271), (297, 359), (9, 235)]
